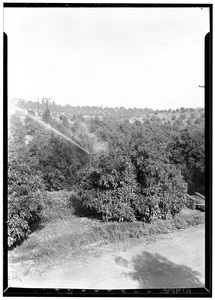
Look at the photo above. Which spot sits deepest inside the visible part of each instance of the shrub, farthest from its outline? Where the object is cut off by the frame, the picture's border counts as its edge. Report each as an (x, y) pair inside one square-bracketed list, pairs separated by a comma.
[(109, 188), (76, 203), (183, 220), (163, 190), (57, 205), (25, 194), (117, 191), (180, 222)]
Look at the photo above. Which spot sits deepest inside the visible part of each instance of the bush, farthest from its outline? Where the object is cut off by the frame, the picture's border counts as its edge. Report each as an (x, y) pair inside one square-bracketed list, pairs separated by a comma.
[(57, 205), (163, 190), (109, 188), (76, 203), (191, 218), (60, 204), (117, 191), (25, 195)]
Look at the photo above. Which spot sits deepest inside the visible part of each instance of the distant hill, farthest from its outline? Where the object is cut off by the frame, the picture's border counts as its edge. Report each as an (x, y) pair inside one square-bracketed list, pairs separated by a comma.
[(180, 117)]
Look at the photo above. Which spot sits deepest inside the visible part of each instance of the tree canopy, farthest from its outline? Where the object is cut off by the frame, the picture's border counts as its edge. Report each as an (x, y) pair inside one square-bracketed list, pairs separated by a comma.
[(126, 164)]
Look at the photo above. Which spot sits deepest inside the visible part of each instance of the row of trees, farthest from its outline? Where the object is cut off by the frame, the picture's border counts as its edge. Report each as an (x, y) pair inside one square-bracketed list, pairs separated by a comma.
[(146, 173), (136, 171), (179, 115)]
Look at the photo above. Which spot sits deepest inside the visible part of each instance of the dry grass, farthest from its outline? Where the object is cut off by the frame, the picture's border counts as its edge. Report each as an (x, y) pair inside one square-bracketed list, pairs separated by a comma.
[(55, 239)]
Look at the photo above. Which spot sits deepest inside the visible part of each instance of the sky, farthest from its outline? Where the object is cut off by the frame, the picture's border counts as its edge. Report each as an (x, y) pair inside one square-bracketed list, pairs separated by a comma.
[(131, 57)]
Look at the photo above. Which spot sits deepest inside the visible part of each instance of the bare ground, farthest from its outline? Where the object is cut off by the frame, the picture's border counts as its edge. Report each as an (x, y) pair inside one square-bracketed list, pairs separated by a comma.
[(174, 260)]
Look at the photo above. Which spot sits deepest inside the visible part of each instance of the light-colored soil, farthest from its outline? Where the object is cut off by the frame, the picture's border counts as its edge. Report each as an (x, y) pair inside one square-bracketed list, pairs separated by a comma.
[(175, 260)]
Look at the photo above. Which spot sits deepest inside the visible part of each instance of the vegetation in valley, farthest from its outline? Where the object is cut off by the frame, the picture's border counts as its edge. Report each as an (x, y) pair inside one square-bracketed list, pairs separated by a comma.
[(128, 169)]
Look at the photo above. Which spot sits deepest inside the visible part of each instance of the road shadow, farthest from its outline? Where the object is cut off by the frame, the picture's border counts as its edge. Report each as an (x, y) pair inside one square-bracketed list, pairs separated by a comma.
[(156, 271)]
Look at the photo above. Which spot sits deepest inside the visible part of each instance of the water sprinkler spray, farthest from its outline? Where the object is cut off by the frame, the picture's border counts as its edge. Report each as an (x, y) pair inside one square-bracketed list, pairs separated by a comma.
[(50, 128)]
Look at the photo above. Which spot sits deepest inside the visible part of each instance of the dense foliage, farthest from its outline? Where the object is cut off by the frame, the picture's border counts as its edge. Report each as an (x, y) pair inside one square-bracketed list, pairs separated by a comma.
[(25, 194), (130, 164), (188, 153), (110, 188), (137, 186)]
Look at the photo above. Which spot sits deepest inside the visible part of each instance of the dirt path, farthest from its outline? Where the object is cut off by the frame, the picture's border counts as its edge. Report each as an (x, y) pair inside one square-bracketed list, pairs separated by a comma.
[(176, 260)]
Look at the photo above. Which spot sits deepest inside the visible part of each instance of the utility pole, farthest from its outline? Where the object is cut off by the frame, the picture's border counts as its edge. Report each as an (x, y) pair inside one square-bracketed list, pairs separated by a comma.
[(47, 102), (38, 105), (46, 110)]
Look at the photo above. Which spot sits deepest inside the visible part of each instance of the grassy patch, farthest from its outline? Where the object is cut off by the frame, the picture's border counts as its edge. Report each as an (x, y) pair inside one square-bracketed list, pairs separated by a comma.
[(57, 238), (188, 218), (64, 230), (61, 204), (57, 205)]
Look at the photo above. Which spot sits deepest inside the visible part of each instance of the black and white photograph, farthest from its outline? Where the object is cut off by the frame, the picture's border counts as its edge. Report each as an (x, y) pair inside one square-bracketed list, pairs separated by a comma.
[(108, 145)]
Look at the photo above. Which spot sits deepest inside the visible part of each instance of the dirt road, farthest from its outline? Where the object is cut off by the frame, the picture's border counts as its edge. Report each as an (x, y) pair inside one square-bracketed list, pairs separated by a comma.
[(176, 260)]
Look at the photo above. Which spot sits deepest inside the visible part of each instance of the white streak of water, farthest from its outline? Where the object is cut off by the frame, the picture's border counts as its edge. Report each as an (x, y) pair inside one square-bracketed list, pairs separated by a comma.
[(49, 127)]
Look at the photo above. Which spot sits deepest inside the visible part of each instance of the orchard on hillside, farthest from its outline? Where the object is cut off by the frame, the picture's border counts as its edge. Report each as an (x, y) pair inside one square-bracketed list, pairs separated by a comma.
[(138, 164)]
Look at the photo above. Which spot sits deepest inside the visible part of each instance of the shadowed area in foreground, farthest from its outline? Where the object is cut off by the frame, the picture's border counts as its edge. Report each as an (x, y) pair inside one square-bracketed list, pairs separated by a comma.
[(156, 271)]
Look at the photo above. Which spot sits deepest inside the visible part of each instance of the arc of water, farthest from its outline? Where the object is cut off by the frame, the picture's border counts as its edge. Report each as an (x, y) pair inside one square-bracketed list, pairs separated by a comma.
[(72, 134), (51, 128)]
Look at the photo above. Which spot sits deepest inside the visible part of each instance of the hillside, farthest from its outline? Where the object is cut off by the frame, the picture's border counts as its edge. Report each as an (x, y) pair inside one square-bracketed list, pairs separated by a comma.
[(180, 117), (120, 164)]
